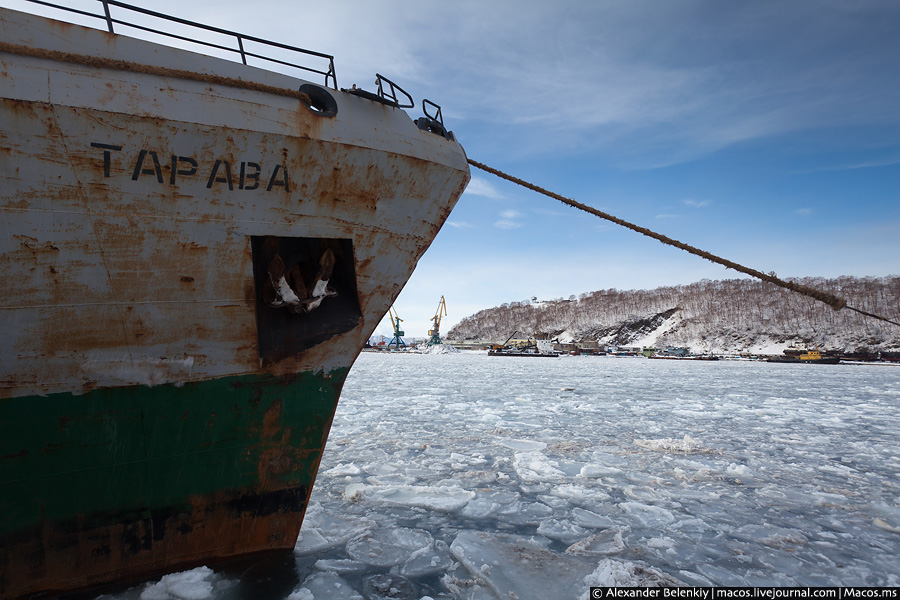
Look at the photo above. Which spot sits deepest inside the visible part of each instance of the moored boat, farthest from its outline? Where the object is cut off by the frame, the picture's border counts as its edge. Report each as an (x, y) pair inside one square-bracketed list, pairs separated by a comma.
[(811, 357), (539, 349), (523, 353), (195, 251)]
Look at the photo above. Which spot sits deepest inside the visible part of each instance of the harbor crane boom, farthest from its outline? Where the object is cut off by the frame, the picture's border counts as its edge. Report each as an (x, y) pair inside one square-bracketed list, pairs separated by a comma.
[(397, 340), (435, 332), (503, 345)]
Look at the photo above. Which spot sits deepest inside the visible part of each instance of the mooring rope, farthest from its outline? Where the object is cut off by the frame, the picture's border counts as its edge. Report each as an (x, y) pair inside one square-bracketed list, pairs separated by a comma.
[(830, 299)]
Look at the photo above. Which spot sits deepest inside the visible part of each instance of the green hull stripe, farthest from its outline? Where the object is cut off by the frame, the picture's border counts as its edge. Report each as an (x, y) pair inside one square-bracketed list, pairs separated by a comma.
[(139, 448)]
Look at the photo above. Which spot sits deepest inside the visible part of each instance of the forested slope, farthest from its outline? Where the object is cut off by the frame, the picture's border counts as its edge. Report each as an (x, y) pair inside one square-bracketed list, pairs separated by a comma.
[(708, 316)]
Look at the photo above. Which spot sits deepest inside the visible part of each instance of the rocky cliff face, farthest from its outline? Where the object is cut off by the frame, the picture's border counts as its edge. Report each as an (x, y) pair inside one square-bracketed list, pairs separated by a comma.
[(738, 315)]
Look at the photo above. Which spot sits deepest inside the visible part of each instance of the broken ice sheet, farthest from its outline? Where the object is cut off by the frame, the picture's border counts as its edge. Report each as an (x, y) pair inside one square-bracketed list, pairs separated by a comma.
[(515, 567), (428, 560), (388, 547), (341, 566), (389, 586), (686, 445), (522, 445), (534, 466), (587, 518), (580, 495), (562, 529), (648, 515), (602, 543), (488, 503), (439, 498), (343, 470), (196, 584), (323, 530), (524, 513), (596, 471), (617, 573), (770, 535), (325, 586)]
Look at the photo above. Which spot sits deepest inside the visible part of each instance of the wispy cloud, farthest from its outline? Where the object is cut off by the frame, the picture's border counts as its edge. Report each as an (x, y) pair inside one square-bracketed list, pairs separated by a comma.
[(870, 165), (697, 203), (478, 186), (509, 220), (459, 224), (506, 224), (803, 211), (853, 166), (694, 90)]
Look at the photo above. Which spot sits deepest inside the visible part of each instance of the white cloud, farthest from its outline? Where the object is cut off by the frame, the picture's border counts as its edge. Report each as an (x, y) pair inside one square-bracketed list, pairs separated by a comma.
[(509, 220), (506, 224), (870, 165), (697, 203), (478, 186), (618, 78), (874, 164), (459, 224)]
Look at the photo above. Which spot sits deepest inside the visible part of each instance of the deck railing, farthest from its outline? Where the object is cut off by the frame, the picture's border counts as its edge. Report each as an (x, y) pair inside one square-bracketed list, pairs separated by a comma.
[(267, 46)]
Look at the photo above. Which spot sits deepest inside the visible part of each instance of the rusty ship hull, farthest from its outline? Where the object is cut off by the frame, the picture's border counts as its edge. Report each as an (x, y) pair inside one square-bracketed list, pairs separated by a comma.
[(192, 261)]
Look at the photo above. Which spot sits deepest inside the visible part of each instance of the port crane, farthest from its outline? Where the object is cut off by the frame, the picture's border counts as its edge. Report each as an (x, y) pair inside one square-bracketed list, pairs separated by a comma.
[(397, 340), (434, 334), (495, 347)]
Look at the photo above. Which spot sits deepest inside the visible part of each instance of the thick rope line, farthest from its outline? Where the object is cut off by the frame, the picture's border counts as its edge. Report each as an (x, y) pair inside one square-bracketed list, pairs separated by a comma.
[(831, 300), (874, 316)]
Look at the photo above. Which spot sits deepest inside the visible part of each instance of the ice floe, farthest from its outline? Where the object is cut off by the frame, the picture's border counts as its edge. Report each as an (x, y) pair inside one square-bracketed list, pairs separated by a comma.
[(534, 466), (616, 573), (323, 530), (648, 514), (196, 584), (441, 498), (686, 445), (516, 567), (606, 542), (325, 586), (388, 547)]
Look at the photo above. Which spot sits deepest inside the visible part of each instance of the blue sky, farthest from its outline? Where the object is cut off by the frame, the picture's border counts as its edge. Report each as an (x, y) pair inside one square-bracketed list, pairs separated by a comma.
[(767, 132)]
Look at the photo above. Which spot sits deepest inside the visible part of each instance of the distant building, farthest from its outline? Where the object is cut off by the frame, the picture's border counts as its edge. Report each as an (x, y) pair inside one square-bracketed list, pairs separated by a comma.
[(673, 351)]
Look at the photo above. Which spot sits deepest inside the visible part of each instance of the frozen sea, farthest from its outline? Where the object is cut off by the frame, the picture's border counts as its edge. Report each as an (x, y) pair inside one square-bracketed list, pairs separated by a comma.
[(481, 478)]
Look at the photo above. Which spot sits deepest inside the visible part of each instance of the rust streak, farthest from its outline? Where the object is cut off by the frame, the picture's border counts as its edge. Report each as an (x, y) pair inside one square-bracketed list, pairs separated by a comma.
[(124, 65), (272, 421)]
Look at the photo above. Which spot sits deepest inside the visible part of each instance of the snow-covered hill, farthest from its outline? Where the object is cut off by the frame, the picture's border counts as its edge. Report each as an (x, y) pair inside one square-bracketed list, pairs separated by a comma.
[(737, 315)]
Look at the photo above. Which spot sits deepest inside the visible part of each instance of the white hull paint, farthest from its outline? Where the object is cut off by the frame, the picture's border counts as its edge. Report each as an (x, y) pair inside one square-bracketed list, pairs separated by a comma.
[(129, 201)]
